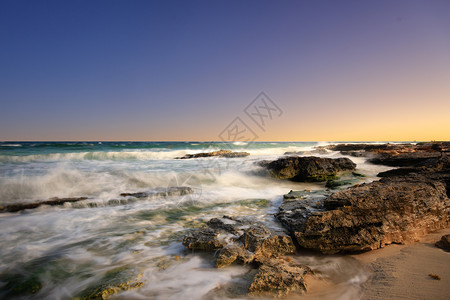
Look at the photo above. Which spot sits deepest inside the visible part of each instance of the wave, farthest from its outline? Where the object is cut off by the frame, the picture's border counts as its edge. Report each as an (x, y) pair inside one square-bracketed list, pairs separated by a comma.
[(95, 155)]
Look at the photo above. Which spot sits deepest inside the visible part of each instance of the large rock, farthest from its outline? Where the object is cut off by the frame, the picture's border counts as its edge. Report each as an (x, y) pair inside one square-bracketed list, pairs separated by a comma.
[(444, 242), (309, 168), (369, 216)]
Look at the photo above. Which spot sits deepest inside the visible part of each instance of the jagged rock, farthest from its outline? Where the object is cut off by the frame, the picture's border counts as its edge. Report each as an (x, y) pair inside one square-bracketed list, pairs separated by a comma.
[(161, 192), (444, 243), (220, 153), (204, 239), (243, 240), (369, 216), (309, 168), (279, 277), (52, 202)]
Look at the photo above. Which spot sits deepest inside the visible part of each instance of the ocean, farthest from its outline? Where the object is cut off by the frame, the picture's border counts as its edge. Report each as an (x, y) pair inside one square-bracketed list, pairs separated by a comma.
[(132, 245)]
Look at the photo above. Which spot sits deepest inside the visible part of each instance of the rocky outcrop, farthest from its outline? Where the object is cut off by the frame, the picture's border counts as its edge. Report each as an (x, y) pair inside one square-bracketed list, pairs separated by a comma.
[(153, 193), (244, 241), (309, 168), (278, 277), (161, 192), (220, 153), (52, 202), (444, 242), (369, 216), (397, 155)]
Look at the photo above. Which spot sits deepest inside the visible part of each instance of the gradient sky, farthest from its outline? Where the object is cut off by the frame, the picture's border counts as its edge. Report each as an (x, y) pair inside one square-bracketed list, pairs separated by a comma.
[(183, 70)]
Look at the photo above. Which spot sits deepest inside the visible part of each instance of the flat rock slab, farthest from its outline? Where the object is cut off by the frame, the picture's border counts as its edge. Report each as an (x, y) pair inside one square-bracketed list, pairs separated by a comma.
[(52, 202), (220, 153)]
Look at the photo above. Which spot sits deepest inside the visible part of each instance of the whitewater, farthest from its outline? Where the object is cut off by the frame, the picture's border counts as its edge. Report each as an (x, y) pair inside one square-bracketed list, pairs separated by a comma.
[(134, 244)]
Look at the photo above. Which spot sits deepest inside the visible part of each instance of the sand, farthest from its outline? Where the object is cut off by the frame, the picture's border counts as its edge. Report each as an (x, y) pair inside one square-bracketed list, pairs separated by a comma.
[(401, 271)]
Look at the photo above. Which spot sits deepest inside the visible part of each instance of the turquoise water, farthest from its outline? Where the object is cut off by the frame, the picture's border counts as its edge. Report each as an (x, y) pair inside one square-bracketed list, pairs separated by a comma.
[(111, 241)]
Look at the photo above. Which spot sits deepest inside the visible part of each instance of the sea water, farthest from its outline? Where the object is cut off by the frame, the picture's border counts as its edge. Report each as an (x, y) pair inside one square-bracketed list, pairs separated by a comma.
[(131, 247)]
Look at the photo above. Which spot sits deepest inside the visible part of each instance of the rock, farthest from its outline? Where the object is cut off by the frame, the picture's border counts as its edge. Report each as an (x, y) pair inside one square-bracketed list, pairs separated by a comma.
[(317, 150), (204, 239), (295, 194), (279, 277), (370, 216), (332, 184), (239, 240), (395, 154), (444, 243), (52, 202), (161, 192), (220, 153), (395, 159), (309, 168)]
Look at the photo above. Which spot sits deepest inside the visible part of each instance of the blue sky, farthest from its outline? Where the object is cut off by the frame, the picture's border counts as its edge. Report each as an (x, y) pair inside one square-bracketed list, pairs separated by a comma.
[(182, 70)]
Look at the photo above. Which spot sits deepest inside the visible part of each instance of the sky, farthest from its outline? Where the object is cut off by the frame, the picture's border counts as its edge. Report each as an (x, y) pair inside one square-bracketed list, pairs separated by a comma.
[(185, 70)]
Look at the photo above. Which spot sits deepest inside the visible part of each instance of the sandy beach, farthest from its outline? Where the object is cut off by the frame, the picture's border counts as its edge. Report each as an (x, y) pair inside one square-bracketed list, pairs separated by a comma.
[(401, 271)]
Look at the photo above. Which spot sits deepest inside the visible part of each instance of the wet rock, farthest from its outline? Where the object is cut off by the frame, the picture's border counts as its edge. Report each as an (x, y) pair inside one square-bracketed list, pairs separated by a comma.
[(161, 192), (239, 240), (395, 159), (204, 239), (332, 184), (52, 202), (309, 168), (279, 277), (220, 153), (444, 242), (294, 194), (370, 216), (317, 150)]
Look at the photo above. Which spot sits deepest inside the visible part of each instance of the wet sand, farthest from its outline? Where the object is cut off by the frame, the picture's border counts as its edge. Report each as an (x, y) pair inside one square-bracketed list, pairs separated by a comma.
[(401, 271)]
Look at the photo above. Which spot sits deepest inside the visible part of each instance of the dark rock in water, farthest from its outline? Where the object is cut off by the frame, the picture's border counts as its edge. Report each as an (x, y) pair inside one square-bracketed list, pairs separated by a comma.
[(355, 153), (161, 192), (356, 174), (404, 159), (239, 240), (309, 168), (293, 212), (370, 216), (246, 241), (444, 243), (52, 202), (220, 153), (295, 194), (278, 277), (332, 184)]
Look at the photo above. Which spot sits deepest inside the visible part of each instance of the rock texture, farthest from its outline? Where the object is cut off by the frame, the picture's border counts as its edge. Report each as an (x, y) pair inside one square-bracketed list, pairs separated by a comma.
[(370, 216), (244, 241), (309, 168), (444, 242), (220, 153), (278, 277)]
